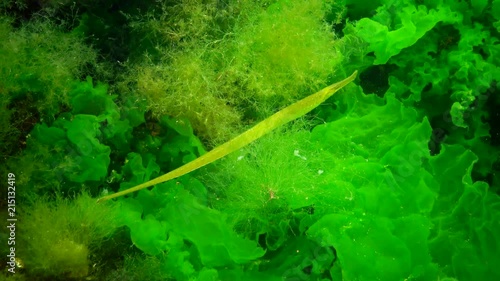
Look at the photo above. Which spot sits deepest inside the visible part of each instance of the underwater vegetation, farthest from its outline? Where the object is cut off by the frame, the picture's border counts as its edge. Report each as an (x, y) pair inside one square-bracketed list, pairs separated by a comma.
[(395, 177)]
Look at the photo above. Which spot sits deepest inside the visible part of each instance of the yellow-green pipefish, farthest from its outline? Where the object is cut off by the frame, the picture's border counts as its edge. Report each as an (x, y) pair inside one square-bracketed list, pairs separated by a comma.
[(280, 118)]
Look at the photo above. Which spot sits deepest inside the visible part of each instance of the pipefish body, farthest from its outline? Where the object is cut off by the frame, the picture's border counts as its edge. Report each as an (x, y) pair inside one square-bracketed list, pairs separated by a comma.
[(276, 120)]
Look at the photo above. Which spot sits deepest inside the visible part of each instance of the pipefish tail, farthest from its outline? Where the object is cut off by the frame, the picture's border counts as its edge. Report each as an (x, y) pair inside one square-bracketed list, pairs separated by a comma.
[(276, 120)]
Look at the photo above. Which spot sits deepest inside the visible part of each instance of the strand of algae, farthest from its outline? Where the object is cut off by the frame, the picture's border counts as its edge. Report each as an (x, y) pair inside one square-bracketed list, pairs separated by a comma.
[(280, 118)]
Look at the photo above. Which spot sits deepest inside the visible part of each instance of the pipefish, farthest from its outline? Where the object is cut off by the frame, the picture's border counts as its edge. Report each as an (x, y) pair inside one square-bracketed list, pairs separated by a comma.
[(276, 120)]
